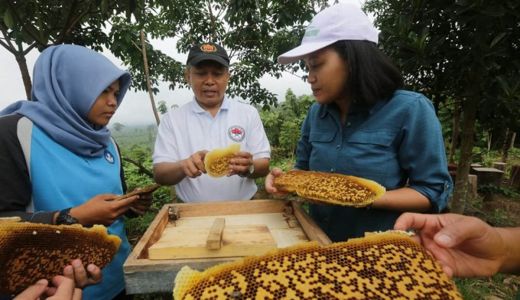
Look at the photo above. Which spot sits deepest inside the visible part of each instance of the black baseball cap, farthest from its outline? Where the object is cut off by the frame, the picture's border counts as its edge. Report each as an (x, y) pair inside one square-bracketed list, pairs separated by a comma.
[(207, 51)]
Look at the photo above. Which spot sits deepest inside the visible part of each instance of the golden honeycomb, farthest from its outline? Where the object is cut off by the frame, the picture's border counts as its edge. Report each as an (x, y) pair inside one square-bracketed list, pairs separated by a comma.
[(388, 265), (30, 251), (216, 161), (330, 188)]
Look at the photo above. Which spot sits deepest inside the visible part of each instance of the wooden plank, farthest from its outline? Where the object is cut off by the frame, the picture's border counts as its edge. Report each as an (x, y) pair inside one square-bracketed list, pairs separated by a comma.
[(230, 208), (181, 243), (276, 222), (272, 220), (214, 240), (313, 232), (150, 236), (10, 219), (499, 165)]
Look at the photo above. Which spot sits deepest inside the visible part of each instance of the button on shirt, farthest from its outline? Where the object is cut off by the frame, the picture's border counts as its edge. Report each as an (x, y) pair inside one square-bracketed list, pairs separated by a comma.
[(395, 143), (190, 128)]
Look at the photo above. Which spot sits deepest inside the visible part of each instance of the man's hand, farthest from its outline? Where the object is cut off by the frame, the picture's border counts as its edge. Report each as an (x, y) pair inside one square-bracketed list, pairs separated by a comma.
[(464, 246), (193, 166), (240, 164)]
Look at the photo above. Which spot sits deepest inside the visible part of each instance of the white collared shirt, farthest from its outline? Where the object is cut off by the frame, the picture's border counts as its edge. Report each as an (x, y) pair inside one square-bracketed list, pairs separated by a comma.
[(190, 128)]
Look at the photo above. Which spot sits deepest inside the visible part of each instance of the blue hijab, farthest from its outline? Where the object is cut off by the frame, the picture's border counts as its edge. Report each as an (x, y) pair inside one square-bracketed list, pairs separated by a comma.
[(67, 80)]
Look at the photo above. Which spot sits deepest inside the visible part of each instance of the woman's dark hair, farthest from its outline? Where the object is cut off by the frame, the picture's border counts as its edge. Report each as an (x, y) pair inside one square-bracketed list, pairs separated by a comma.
[(371, 74)]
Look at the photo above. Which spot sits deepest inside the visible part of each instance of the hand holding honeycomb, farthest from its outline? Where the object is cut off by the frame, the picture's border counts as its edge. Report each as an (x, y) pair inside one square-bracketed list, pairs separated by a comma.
[(216, 162)]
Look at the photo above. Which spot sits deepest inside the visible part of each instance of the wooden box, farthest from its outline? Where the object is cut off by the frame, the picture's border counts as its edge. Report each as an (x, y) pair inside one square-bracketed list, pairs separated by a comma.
[(286, 222)]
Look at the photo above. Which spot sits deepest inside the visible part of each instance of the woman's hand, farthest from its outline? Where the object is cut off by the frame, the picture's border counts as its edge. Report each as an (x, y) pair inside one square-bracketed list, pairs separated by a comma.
[(269, 182), (142, 204), (101, 209), (62, 288)]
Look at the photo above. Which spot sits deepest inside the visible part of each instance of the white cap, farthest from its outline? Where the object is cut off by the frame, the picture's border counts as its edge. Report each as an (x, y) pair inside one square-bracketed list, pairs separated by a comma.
[(339, 22)]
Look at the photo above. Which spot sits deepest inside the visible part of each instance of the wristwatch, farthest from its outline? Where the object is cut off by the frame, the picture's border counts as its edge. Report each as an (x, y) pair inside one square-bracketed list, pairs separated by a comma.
[(64, 218), (249, 172)]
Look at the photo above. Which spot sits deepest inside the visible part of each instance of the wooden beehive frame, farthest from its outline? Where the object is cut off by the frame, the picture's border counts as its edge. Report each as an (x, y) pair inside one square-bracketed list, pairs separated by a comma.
[(143, 275)]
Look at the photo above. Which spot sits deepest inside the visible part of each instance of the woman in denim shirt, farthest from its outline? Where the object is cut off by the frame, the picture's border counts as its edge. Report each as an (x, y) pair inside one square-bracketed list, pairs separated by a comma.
[(365, 125)]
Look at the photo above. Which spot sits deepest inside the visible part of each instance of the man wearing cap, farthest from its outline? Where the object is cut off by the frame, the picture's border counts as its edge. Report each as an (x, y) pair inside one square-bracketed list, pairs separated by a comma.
[(209, 122)]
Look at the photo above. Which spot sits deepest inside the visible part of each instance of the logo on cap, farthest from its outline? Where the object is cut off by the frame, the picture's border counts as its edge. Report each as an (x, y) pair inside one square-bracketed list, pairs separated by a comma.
[(208, 48), (312, 31)]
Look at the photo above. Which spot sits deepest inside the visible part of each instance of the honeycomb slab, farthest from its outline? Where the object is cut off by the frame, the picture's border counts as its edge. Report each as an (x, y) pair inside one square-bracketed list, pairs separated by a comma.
[(30, 251), (330, 188), (388, 265)]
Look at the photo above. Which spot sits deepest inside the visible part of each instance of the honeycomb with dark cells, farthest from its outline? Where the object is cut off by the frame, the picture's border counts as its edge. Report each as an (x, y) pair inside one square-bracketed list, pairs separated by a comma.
[(388, 265), (330, 188), (30, 251)]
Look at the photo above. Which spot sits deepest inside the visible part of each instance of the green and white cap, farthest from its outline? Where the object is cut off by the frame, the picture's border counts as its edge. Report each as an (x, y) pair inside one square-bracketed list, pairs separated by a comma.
[(339, 22)]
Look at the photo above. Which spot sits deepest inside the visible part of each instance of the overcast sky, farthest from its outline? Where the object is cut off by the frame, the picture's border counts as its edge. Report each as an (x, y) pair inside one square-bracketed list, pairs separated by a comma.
[(136, 107)]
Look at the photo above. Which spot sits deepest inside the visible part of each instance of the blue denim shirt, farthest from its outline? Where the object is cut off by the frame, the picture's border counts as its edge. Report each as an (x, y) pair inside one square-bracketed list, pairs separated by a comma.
[(395, 142)]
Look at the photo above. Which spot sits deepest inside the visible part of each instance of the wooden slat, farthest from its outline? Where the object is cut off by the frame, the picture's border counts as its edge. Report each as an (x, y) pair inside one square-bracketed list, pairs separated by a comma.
[(230, 208), (10, 219), (313, 232), (214, 240), (151, 235), (183, 243)]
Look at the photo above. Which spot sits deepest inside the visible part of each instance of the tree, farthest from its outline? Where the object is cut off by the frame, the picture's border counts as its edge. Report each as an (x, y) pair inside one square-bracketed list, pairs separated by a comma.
[(162, 107), (30, 24), (118, 126), (461, 50), (254, 32), (283, 132)]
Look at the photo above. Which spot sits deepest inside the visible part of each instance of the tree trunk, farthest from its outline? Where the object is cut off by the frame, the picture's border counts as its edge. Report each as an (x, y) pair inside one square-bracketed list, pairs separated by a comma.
[(455, 132), (468, 129), (147, 77), (509, 141), (22, 64)]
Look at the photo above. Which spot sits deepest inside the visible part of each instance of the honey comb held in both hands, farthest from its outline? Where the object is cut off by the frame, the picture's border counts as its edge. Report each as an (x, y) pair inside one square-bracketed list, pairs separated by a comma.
[(330, 188), (388, 265), (30, 251), (216, 161)]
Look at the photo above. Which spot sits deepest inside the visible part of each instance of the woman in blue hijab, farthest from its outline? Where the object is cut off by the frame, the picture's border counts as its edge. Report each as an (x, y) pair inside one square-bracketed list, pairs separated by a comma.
[(58, 162)]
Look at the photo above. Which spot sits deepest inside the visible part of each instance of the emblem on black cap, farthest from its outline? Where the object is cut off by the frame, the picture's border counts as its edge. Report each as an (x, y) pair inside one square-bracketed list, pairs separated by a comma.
[(208, 48)]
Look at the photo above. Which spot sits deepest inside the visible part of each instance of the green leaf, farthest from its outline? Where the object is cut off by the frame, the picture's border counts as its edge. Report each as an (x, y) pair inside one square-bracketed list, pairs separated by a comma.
[(8, 19), (497, 39), (104, 6)]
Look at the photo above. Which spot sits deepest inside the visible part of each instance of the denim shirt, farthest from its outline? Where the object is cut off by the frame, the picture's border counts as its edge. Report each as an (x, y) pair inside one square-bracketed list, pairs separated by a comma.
[(396, 142)]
